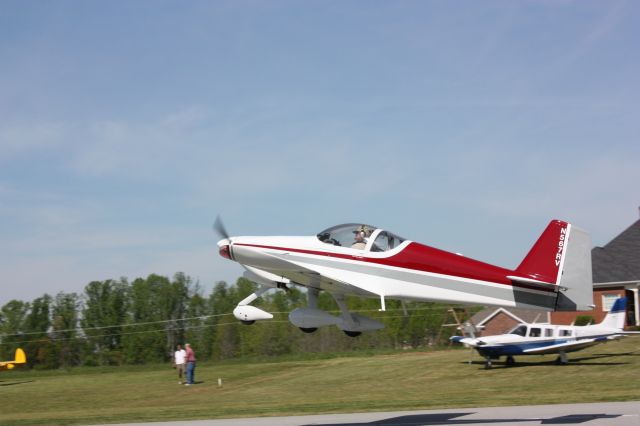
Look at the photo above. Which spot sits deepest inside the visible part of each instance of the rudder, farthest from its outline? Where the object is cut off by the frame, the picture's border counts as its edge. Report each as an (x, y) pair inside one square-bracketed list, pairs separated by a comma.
[(576, 281), (21, 357), (562, 257), (615, 318)]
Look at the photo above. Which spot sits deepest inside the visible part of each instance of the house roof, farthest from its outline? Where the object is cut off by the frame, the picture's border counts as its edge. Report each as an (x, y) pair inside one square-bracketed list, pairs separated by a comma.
[(519, 315), (618, 260)]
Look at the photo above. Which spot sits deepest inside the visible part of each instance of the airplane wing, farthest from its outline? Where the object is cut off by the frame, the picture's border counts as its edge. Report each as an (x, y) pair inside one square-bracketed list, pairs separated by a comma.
[(320, 276), (464, 340), (568, 346)]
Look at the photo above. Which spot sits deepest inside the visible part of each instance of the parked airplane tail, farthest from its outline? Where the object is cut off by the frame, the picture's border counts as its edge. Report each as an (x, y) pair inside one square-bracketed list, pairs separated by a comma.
[(616, 316), (562, 258), (20, 358)]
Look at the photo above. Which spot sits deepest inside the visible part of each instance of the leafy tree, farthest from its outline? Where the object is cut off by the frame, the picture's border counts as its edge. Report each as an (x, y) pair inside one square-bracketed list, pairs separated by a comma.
[(38, 323), (145, 342), (13, 317), (584, 320), (64, 323), (173, 299), (197, 327), (103, 316)]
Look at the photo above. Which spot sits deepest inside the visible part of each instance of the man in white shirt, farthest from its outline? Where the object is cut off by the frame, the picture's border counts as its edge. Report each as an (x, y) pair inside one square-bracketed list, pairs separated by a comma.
[(179, 362)]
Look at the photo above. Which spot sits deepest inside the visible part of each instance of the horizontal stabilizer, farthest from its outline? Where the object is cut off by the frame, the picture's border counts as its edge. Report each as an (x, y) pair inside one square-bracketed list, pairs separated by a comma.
[(534, 283)]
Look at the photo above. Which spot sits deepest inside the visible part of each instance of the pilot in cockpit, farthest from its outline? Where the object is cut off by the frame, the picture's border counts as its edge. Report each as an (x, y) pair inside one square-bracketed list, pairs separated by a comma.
[(360, 238)]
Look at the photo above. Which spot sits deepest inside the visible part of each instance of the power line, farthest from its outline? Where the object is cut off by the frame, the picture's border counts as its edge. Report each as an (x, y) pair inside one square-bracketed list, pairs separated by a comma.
[(163, 330), (202, 317), (133, 324)]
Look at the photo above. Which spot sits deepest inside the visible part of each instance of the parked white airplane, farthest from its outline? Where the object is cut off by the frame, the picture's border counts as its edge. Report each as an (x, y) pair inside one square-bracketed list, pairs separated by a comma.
[(541, 339), (367, 261)]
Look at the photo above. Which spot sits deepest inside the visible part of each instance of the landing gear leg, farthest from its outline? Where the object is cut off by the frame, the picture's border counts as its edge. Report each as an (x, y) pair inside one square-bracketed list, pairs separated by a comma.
[(487, 363), (346, 316), (562, 359), (249, 314), (253, 296), (312, 298), (312, 302), (510, 361)]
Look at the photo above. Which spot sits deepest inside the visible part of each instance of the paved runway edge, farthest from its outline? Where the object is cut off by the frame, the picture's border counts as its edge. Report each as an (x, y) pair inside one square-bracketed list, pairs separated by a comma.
[(601, 414)]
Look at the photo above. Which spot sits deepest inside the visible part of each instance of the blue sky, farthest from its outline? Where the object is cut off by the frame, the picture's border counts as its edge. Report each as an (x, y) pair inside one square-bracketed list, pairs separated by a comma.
[(126, 127)]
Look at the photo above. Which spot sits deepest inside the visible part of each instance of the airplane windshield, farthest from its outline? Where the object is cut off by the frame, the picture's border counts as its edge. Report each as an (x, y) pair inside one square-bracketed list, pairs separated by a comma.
[(386, 241), (520, 330), (358, 236)]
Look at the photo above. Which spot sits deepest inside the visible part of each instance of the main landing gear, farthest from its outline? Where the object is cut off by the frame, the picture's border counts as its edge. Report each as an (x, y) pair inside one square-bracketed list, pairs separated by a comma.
[(562, 359), (488, 363)]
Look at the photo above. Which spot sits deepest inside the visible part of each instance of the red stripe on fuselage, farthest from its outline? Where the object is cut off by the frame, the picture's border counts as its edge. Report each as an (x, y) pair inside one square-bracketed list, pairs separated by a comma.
[(418, 257)]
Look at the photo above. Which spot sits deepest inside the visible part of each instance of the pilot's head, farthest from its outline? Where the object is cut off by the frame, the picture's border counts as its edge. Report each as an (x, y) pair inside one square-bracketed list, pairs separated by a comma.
[(361, 233)]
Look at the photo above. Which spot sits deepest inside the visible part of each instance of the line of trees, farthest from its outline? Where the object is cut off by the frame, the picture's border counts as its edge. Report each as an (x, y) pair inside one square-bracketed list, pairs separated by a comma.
[(115, 322)]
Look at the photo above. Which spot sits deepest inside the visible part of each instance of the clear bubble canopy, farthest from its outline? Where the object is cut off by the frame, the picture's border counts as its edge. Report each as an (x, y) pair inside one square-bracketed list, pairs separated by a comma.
[(360, 236)]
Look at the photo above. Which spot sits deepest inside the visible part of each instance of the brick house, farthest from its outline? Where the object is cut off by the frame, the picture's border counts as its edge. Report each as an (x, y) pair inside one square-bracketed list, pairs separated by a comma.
[(616, 273)]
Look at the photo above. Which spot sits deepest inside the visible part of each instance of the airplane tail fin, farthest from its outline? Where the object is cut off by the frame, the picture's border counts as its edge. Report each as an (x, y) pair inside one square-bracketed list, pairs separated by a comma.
[(20, 358), (616, 316), (562, 257), (544, 260)]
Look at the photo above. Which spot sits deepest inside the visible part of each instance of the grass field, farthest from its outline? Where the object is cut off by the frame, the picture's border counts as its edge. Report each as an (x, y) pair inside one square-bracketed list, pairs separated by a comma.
[(354, 383)]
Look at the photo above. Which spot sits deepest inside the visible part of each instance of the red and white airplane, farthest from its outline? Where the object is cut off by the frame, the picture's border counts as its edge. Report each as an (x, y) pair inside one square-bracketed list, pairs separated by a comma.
[(367, 261)]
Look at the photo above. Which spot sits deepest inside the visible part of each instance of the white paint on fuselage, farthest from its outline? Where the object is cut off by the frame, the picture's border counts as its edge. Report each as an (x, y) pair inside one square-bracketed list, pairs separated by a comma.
[(355, 274)]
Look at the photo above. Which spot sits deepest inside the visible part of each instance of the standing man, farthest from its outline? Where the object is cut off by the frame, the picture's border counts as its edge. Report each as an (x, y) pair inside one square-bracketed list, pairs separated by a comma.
[(179, 358), (191, 364)]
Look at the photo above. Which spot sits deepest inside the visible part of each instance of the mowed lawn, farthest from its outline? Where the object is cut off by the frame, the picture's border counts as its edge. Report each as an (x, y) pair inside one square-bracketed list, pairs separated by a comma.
[(407, 380)]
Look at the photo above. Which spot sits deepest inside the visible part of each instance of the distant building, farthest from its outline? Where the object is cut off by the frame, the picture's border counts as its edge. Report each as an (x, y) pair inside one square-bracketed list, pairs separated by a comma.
[(616, 273), (497, 321)]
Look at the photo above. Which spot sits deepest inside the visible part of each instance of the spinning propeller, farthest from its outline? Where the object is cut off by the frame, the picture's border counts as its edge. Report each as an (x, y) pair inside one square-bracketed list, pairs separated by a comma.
[(218, 226), (224, 248)]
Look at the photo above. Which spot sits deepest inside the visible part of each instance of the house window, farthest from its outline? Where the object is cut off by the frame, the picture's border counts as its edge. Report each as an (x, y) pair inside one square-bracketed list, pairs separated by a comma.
[(607, 301)]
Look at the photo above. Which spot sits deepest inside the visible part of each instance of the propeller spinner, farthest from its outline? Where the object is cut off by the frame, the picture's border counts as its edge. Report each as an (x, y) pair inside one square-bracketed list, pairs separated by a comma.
[(225, 243)]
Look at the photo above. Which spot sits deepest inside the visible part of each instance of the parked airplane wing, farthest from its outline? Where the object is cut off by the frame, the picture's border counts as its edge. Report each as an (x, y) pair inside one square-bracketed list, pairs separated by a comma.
[(465, 340), (567, 347)]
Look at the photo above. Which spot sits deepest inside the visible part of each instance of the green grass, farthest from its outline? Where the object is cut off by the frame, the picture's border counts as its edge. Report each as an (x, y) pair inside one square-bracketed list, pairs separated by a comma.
[(367, 382)]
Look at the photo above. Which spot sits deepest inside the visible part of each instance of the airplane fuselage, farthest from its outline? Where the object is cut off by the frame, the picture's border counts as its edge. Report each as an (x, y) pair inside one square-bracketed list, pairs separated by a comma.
[(541, 339), (552, 339), (411, 271), (363, 260)]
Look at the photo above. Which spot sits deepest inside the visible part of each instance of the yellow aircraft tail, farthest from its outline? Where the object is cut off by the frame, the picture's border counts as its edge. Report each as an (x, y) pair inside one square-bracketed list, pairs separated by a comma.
[(21, 357)]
